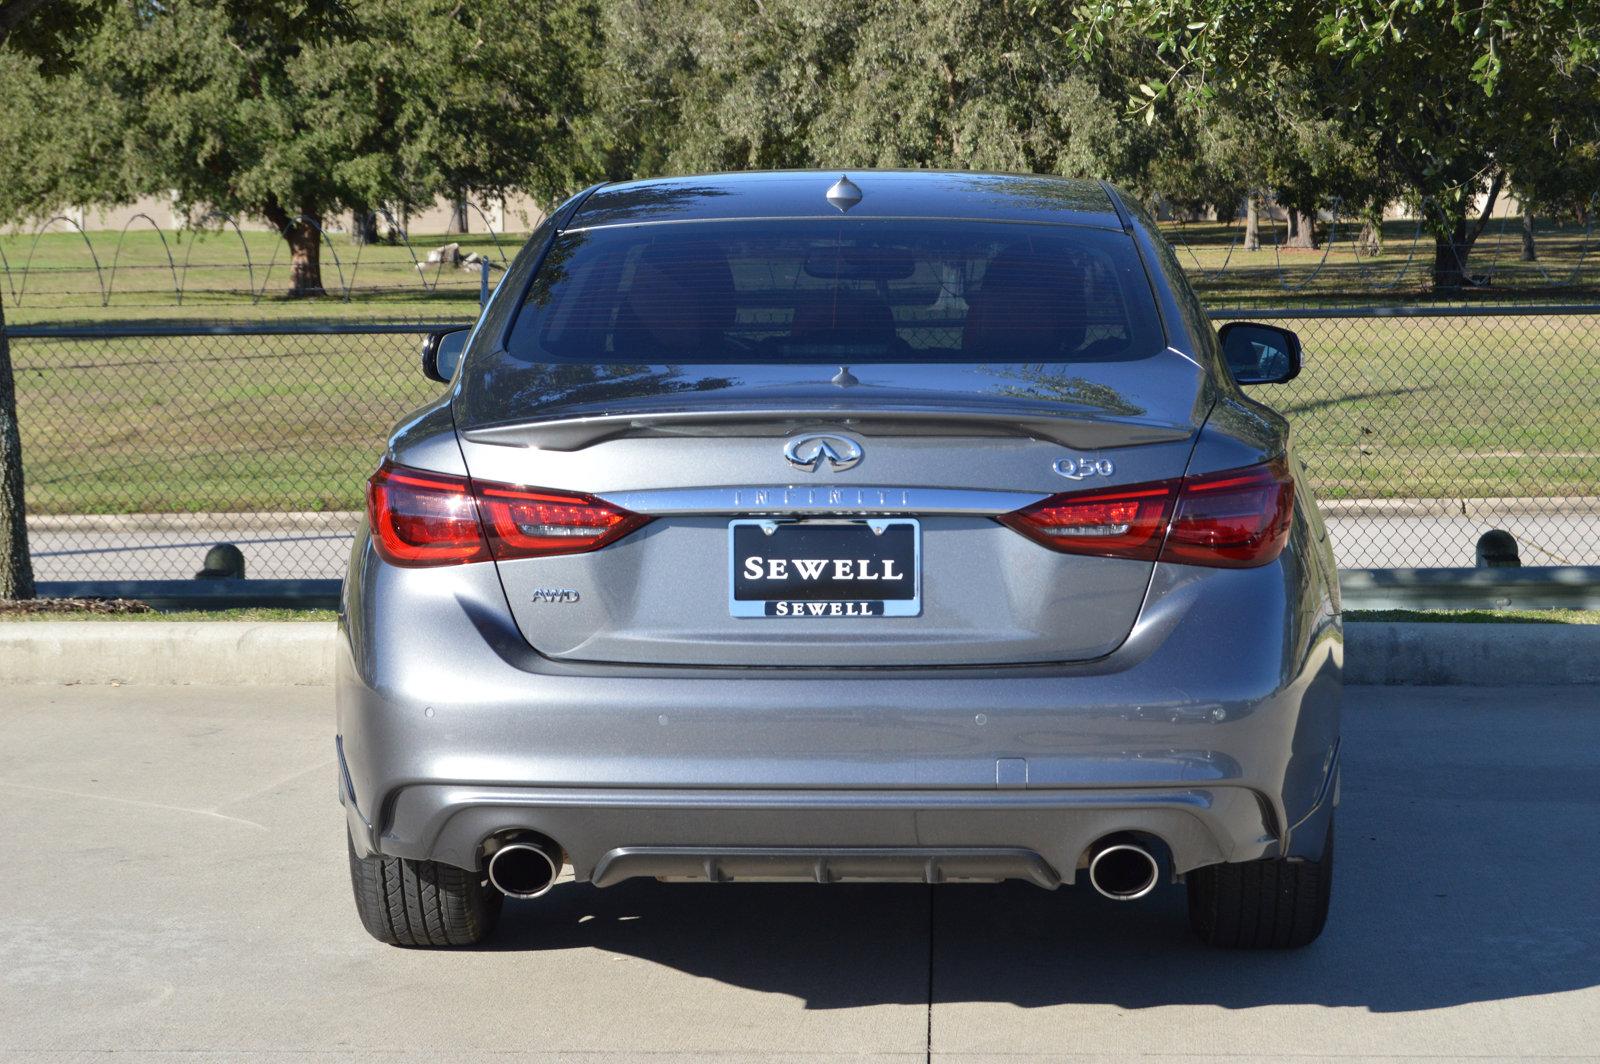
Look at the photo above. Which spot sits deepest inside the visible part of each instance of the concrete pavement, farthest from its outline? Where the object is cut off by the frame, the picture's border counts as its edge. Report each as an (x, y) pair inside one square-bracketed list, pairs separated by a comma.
[(282, 546), (175, 890)]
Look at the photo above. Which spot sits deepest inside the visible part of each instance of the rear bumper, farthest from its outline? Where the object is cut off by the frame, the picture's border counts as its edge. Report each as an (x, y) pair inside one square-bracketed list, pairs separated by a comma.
[(614, 834), (1214, 729)]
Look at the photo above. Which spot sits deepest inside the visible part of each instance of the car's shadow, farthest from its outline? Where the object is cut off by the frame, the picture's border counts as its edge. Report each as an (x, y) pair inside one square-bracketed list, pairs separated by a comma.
[(1451, 888)]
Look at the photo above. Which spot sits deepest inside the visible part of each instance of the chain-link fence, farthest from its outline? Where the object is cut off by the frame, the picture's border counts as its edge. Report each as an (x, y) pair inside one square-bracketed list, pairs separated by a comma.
[(147, 443), (1423, 428)]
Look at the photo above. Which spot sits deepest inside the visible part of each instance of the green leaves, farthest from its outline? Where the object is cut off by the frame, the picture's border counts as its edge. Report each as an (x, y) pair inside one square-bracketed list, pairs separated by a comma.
[(1428, 96), (319, 106), (965, 83)]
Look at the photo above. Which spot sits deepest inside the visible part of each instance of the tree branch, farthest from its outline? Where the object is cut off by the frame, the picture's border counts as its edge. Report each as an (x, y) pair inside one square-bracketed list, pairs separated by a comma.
[(1488, 205)]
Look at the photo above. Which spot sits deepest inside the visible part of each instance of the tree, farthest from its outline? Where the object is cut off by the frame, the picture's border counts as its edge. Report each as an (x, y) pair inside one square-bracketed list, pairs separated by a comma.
[(16, 567), (1448, 90), (33, 34), (295, 110), (1558, 173), (966, 84), (721, 84), (288, 110), (496, 93)]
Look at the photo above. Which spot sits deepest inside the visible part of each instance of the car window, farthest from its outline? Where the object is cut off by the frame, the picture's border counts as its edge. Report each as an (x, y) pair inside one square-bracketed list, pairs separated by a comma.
[(1194, 314), (837, 291)]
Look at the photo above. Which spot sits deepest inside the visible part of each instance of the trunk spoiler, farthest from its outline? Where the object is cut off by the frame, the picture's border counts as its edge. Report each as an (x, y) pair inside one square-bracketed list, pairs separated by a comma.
[(1081, 431)]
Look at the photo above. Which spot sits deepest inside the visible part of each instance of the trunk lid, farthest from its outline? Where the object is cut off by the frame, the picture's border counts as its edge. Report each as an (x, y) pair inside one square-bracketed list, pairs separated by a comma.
[(946, 446)]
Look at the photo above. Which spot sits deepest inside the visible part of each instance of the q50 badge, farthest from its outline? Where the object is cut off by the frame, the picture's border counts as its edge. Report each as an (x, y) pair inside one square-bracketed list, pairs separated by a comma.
[(1083, 468)]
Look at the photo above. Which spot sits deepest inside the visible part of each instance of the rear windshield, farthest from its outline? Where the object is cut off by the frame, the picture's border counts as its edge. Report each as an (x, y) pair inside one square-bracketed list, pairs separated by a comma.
[(836, 291)]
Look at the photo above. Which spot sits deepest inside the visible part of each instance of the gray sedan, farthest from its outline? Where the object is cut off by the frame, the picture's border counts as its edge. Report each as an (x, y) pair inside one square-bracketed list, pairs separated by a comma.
[(884, 526)]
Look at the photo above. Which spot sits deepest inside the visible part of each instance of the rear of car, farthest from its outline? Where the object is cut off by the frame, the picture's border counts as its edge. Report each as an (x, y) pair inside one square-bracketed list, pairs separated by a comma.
[(905, 526)]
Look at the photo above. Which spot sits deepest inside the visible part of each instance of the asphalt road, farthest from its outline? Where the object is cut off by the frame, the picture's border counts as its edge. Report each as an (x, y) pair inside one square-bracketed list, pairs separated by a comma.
[(276, 548), (175, 889)]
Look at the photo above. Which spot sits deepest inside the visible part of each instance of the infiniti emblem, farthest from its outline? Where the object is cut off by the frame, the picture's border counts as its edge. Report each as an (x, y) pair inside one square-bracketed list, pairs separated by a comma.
[(807, 452)]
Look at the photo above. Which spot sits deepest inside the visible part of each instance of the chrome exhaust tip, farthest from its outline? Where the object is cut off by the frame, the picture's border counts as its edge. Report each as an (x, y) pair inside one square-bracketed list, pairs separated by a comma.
[(1123, 871), (524, 869)]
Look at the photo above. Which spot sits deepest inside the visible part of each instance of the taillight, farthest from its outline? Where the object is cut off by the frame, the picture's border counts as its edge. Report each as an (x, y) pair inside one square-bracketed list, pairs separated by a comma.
[(1121, 523), (525, 524), (420, 519), (423, 518), (1234, 519)]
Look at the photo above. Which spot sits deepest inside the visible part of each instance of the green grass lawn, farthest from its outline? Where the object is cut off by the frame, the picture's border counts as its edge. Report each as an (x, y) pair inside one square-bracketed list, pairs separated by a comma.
[(1447, 407), (253, 614), (1213, 255), (226, 423), (1385, 407), (61, 281)]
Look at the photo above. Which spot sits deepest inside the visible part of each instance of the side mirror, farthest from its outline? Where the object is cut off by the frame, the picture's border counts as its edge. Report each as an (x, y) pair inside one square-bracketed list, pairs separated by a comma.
[(441, 353), (1260, 354)]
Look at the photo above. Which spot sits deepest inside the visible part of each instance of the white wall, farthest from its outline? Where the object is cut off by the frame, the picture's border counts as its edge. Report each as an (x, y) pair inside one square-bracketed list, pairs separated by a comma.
[(514, 214)]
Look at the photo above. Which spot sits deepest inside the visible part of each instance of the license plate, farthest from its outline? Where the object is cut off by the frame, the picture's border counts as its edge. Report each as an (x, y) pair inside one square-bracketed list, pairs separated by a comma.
[(866, 568)]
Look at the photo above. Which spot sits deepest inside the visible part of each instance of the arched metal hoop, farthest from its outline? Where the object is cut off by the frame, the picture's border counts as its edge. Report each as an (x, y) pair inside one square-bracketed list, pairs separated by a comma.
[(27, 266), (177, 289), (405, 238), (226, 219)]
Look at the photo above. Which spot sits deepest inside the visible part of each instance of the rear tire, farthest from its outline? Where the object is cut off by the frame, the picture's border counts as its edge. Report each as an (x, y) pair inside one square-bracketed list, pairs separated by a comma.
[(1271, 904), (422, 903)]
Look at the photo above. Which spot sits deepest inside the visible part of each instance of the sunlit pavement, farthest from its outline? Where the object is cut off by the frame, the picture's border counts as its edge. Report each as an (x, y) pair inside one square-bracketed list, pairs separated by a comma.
[(175, 889)]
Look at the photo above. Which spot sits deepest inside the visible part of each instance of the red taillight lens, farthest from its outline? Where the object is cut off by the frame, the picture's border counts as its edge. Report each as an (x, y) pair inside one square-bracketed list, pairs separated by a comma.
[(1121, 523), (1234, 519), (524, 523), (420, 519), (423, 518)]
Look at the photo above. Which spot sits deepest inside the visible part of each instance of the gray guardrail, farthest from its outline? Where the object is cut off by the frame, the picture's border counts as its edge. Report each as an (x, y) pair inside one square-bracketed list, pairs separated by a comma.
[(202, 594), (1530, 588)]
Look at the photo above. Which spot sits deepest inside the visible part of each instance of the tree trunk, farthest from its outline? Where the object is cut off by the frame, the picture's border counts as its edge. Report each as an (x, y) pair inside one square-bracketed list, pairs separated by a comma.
[(364, 225), (1252, 224), (305, 259), (1302, 231), (1370, 240), (1452, 247), (16, 567), (304, 237), (1450, 254), (458, 217), (1529, 252)]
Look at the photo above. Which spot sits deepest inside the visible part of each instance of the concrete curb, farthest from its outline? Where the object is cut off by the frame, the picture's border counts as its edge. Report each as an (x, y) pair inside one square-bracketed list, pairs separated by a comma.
[(302, 653), (166, 652), (1386, 652)]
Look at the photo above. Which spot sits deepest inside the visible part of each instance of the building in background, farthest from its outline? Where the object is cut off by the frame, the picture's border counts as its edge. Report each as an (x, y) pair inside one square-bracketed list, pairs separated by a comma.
[(509, 214)]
